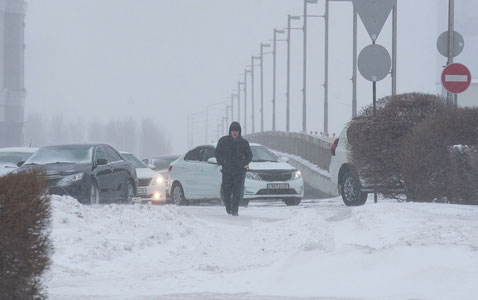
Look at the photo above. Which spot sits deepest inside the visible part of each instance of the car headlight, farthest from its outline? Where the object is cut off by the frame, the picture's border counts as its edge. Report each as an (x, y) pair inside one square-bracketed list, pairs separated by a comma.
[(253, 176), (71, 179), (158, 180), (297, 174)]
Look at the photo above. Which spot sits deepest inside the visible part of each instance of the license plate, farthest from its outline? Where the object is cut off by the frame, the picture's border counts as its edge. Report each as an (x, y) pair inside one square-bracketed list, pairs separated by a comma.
[(278, 186), (142, 191)]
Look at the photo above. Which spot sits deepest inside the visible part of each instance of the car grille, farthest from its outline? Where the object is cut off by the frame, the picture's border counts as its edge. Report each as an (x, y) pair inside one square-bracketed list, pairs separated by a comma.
[(144, 181), (275, 176), (276, 192)]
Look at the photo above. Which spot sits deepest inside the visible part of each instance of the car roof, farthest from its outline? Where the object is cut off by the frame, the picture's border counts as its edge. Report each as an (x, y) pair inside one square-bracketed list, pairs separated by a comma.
[(165, 156), (75, 145), (215, 145), (19, 149)]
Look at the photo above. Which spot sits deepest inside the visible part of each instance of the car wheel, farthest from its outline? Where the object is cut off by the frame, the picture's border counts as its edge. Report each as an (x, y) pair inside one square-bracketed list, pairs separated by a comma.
[(351, 190), (94, 194), (178, 195), (292, 201), (129, 193)]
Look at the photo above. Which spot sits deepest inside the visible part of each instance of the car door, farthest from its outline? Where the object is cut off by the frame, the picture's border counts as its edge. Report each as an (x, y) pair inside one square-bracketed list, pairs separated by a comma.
[(188, 173), (211, 176), (120, 174), (103, 174)]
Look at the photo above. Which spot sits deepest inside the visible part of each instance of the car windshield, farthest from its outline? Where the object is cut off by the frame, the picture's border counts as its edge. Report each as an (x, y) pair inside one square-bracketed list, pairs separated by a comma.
[(262, 154), (163, 163), (10, 159), (136, 162), (61, 155)]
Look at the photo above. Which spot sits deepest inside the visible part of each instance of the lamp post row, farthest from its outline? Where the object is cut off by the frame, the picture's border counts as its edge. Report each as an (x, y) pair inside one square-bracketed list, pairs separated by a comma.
[(288, 30)]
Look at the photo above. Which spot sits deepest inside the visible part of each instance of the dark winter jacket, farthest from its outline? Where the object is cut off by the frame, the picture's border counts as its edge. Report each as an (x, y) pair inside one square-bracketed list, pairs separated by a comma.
[(233, 155)]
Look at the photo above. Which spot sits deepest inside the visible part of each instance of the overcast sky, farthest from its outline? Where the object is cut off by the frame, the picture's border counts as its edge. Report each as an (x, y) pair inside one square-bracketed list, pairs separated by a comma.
[(166, 59)]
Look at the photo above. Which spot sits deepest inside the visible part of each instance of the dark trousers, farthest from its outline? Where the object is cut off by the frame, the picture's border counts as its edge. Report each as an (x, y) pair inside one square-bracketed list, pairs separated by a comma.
[(232, 189)]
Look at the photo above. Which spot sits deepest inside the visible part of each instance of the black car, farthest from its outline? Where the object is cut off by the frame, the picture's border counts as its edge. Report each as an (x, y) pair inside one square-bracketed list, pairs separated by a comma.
[(91, 173)]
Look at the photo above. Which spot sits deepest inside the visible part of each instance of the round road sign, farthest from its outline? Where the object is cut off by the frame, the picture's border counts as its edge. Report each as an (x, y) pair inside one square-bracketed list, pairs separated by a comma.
[(458, 43), (374, 62), (456, 78)]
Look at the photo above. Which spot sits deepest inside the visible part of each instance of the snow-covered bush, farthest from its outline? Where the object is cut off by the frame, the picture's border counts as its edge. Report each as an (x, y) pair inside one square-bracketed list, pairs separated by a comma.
[(376, 141), (432, 168), (25, 246)]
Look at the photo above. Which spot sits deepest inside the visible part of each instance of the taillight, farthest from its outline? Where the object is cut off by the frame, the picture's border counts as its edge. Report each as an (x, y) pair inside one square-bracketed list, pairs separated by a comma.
[(334, 146), (170, 168)]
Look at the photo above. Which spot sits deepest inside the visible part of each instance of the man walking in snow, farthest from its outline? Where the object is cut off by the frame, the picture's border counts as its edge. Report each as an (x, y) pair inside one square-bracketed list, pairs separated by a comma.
[(234, 154)]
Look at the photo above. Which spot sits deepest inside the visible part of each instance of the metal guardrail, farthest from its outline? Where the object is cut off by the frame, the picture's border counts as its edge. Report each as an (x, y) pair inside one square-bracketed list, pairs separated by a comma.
[(309, 147)]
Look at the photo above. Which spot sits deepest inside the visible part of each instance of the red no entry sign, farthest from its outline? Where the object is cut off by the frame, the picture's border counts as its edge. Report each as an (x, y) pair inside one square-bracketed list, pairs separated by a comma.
[(456, 78)]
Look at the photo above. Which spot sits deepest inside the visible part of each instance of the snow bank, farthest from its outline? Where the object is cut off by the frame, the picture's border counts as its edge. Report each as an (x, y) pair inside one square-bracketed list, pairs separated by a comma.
[(320, 249)]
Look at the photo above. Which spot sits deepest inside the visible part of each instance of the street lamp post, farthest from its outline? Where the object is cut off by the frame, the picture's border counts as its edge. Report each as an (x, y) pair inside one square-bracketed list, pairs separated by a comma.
[(227, 114), (207, 117), (304, 88), (289, 19), (274, 53), (326, 70), (232, 106), (262, 84), (245, 100), (253, 58), (239, 83)]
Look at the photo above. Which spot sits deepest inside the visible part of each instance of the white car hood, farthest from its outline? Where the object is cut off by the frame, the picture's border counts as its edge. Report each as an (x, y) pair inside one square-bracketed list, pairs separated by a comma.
[(5, 171), (253, 166), (144, 173)]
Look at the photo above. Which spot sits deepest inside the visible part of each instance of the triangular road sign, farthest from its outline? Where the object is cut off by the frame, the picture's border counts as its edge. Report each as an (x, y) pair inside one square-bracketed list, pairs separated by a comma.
[(374, 14)]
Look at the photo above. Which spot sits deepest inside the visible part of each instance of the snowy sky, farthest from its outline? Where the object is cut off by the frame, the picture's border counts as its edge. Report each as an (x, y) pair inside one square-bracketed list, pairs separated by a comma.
[(166, 59)]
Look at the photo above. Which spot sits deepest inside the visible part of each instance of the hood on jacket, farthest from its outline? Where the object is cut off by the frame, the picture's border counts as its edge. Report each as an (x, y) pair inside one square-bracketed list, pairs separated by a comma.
[(235, 126)]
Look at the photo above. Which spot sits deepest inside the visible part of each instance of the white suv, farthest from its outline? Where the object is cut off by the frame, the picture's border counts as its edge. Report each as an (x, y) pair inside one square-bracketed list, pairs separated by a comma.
[(343, 173), (197, 176)]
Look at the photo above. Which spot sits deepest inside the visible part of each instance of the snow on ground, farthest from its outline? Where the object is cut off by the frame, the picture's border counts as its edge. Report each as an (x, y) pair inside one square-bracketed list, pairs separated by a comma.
[(319, 249)]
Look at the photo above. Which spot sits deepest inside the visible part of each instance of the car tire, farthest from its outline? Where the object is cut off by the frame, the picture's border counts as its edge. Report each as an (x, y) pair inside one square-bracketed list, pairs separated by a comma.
[(177, 195), (351, 190), (94, 194), (292, 201), (128, 193)]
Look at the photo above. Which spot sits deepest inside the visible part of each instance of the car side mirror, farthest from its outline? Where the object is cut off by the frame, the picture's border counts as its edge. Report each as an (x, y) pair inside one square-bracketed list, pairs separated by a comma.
[(146, 162), (20, 163), (284, 159), (101, 162), (212, 160)]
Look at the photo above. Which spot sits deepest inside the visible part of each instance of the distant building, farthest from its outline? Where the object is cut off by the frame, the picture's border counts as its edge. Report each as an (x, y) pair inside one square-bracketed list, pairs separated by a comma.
[(12, 89)]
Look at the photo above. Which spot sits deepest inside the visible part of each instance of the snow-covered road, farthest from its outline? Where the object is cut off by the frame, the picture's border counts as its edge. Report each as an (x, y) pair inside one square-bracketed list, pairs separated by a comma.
[(319, 249)]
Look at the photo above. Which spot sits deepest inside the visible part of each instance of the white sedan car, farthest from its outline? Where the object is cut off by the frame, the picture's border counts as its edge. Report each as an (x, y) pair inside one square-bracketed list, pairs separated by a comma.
[(152, 186), (11, 157), (197, 176)]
